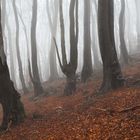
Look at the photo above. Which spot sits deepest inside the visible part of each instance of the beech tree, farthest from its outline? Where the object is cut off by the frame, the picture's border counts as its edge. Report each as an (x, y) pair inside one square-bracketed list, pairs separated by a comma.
[(21, 74), (12, 64), (13, 109), (87, 66), (38, 89), (123, 49), (53, 27), (69, 69), (5, 25), (137, 2), (112, 75), (97, 62)]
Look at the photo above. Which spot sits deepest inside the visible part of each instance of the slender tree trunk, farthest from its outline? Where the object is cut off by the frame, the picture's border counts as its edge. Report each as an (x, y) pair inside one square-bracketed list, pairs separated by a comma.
[(97, 63), (138, 23), (87, 66), (5, 24), (12, 65), (21, 75), (53, 24), (112, 75), (53, 65), (123, 48), (38, 89), (26, 37), (63, 47), (3, 16)]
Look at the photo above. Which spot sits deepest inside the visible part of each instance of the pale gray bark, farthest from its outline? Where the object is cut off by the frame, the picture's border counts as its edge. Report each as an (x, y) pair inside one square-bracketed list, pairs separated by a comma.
[(87, 66), (138, 23), (123, 48), (21, 74), (38, 89), (53, 27)]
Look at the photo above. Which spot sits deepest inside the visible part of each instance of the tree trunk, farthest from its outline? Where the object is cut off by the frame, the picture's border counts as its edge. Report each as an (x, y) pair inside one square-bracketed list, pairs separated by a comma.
[(138, 23), (13, 109), (12, 65), (97, 63), (69, 69), (38, 89), (123, 48), (112, 75), (21, 75), (87, 66), (63, 47), (53, 24), (53, 65)]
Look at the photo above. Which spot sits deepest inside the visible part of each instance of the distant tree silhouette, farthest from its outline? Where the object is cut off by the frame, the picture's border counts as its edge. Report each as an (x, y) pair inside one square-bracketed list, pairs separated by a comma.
[(38, 89), (87, 66), (123, 48)]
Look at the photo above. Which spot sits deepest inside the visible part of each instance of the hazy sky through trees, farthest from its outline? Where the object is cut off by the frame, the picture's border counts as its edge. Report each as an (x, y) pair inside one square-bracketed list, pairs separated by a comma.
[(43, 34)]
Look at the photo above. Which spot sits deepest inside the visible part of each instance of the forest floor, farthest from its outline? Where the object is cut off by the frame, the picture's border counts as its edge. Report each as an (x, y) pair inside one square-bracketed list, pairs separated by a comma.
[(83, 116)]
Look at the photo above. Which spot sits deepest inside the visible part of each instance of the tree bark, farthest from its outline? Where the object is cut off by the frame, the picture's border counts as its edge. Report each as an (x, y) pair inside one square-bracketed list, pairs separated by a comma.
[(112, 75), (38, 89), (53, 24), (12, 65), (97, 62), (138, 23), (13, 109), (123, 49), (21, 75), (87, 66), (63, 47), (69, 69)]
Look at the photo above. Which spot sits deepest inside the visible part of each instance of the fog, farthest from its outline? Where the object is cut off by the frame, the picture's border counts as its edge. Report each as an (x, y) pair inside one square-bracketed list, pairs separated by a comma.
[(44, 35), (69, 69)]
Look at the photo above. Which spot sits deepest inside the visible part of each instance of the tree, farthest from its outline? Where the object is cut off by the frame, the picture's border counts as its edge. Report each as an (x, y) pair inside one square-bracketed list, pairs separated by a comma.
[(3, 16), (69, 69), (21, 75), (97, 63), (12, 65), (123, 48), (112, 75), (53, 26), (5, 24), (87, 66), (27, 42), (38, 89), (13, 108), (138, 23)]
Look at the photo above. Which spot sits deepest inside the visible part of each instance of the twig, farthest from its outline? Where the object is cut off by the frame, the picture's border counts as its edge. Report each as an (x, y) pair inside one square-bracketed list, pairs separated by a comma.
[(120, 111), (129, 109)]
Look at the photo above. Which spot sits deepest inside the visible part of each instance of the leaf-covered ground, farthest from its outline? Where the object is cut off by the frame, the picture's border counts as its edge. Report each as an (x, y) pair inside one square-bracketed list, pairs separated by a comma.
[(83, 116)]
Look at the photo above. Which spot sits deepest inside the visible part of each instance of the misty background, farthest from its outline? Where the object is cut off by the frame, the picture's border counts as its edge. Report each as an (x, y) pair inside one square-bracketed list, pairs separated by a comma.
[(44, 35)]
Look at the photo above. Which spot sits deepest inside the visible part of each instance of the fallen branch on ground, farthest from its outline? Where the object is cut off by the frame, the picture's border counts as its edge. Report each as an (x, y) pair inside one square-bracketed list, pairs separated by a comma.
[(129, 109), (119, 111)]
